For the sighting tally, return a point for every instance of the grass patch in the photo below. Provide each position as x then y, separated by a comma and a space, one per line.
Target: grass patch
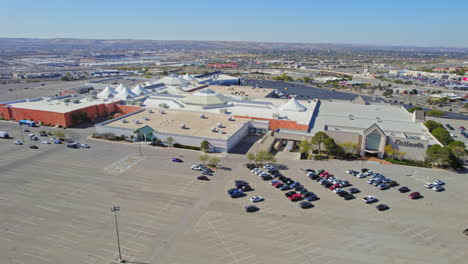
320, 157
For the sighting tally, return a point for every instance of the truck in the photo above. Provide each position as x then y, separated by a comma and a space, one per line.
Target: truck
4, 134
26, 122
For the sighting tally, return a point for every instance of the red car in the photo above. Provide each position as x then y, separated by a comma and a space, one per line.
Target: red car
414, 195
203, 178
277, 185
333, 187
295, 197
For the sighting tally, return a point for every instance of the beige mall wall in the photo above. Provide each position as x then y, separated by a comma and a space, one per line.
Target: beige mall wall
412, 152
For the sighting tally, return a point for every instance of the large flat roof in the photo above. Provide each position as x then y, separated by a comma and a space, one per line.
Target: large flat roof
170, 122
237, 90
59, 105
356, 117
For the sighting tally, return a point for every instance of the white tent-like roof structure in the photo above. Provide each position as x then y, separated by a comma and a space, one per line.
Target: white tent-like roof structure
293, 105
189, 78
119, 88
138, 90
206, 97
174, 80
125, 94
107, 93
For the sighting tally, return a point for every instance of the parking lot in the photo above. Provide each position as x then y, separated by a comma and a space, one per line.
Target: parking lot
55, 204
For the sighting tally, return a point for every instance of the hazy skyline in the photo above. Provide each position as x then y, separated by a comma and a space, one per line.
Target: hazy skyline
413, 23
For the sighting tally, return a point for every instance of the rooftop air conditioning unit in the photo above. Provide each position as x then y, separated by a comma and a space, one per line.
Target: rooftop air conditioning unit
221, 131
182, 126
202, 116
150, 111
275, 116
230, 118
213, 129
146, 118
136, 121
219, 125
124, 121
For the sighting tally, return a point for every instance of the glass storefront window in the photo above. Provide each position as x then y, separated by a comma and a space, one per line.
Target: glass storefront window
373, 141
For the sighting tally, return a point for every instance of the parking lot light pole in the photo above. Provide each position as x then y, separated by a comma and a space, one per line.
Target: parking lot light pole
115, 209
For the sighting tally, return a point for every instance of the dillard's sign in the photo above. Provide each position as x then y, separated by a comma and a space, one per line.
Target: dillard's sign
408, 144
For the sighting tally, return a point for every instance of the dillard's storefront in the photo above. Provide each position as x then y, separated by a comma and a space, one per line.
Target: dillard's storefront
375, 140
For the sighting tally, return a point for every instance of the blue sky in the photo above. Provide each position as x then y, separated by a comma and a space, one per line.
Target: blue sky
377, 22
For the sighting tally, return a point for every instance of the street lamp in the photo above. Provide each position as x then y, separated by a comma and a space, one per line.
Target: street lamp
115, 209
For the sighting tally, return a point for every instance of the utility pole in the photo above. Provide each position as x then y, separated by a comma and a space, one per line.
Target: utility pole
115, 209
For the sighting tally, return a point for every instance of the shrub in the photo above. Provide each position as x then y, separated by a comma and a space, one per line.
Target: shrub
412, 109
320, 157
177, 145
415, 163
435, 112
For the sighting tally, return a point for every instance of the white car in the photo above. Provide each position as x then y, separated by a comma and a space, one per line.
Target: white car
439, 182
18, 142
256, 199
429, 185
361, 175
84, 145
338, 190
197, 167
369, 199
45, 142
438, 188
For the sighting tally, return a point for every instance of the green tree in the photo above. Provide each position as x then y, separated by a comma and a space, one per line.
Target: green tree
306, 79
431, 125
264, 156
442, 135
465, 105
305, 146
318, 139
205, 145
349, 147
170, 141
438, 155
214, 161
251, 157
330, 145
203, 158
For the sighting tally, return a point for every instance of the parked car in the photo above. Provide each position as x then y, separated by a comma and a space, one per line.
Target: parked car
285, 187
429, 185
290, 193
382, 207
414, 195
45, 142
84, 145
57, 141
256, 199
176, 160
347, 196
311, 197
73, 145
305, 205
235, 193
439, 182
197, 167
404, 189
369, 199
354, 190
203, 178
43, 133
251, 208
438, 188
295, 197
18, 142
33, 147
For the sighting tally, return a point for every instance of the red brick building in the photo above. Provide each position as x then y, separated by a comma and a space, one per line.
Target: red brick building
64, 116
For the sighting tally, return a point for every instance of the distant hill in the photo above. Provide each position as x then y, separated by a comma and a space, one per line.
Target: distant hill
26, 44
